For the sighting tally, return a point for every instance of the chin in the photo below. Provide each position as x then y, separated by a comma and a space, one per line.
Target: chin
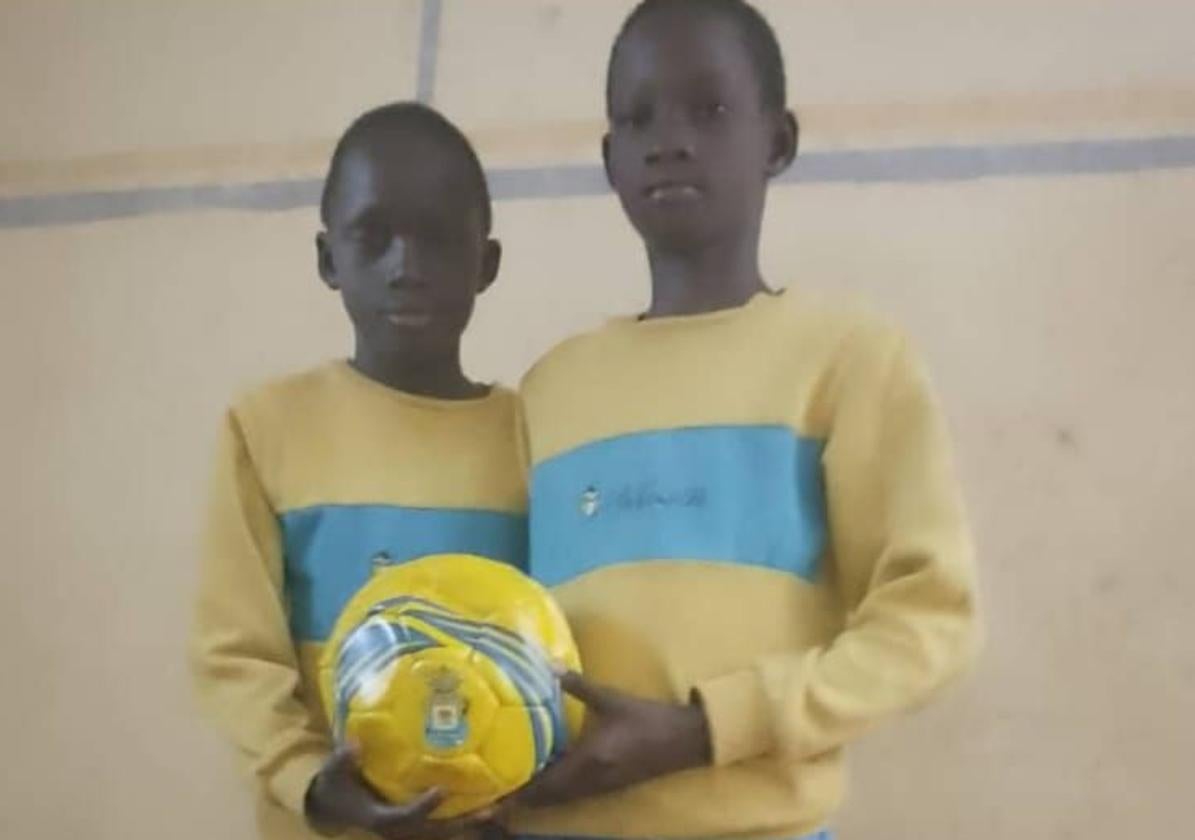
399, 342
677, 238
676, 228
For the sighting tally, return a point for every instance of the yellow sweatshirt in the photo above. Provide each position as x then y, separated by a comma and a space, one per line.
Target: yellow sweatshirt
317, 475
756, 506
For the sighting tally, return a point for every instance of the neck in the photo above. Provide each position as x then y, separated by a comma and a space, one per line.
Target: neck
434, 375
721, 275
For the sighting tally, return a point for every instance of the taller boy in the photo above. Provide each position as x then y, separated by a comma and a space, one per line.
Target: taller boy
743, 498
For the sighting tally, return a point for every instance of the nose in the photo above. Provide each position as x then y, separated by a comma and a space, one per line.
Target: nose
401, 262
672, 141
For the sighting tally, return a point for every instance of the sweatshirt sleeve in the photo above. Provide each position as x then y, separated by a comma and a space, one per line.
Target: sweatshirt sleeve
242, 655
901, 558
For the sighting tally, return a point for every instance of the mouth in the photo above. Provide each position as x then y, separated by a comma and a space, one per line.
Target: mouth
672, 192
407, 318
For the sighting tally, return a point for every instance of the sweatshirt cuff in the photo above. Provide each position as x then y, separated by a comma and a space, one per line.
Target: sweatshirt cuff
291, 781
736, 707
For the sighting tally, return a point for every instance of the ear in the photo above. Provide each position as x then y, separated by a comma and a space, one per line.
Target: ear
491, 260
606, 158
785, 140
324, 262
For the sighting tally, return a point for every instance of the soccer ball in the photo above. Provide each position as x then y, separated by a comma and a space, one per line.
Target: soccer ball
442, 672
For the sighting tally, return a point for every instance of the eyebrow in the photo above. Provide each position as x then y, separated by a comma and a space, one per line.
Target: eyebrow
436, 213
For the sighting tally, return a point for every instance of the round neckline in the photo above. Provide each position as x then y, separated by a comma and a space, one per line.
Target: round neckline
345, 369
752, 303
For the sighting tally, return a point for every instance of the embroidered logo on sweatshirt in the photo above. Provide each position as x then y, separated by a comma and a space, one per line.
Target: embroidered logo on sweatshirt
590, 501
642, 496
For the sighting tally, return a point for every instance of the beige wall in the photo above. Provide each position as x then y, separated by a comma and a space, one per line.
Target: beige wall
1054, 311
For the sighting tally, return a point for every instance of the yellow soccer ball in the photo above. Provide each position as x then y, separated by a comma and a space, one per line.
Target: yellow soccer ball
440, 670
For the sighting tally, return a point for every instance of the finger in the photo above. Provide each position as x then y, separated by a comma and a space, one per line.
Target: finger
417, 809
343, 761
469, 822
502, 808
597, 697
559, 782
491, 830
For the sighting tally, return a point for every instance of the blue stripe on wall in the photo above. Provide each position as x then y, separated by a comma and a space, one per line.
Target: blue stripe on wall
734, 494
329, 551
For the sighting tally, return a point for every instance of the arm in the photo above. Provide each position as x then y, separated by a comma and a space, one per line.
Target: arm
242, 655
248, 677
903, 565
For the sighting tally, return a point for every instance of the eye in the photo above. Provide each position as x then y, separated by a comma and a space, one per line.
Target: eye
371, 238
637, 117
710, 111
444, 232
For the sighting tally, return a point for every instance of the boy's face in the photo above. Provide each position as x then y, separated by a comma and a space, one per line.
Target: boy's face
690, 146
405, 244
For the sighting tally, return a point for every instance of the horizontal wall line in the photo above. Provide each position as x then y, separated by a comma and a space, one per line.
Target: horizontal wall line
917, 164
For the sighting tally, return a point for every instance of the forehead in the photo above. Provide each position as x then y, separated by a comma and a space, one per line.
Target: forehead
676, 48
404, 172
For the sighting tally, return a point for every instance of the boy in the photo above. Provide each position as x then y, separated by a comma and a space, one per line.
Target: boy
742, 499
385, 457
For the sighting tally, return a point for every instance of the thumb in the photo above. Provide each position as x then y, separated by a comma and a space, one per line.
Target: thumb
419, 808
597, 697
343, 761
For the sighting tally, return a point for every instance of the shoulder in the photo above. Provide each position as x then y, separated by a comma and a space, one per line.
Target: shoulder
566, 359
852, 349
870, 353
504, 404
848, 321
263, 409
846, 332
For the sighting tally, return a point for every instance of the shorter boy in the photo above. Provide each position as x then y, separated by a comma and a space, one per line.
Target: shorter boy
388, 456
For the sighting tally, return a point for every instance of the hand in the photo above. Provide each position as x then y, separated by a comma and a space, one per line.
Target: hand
339, 799
627, 740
